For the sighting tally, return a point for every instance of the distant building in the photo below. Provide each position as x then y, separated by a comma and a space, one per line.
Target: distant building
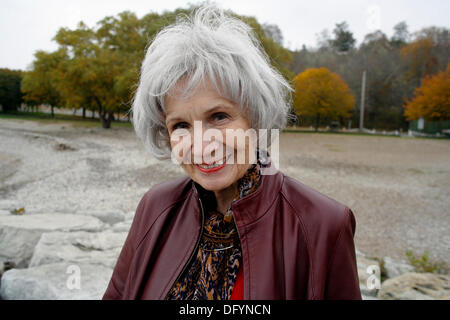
429, 127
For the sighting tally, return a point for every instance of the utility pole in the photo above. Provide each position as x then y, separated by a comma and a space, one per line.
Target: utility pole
363, 94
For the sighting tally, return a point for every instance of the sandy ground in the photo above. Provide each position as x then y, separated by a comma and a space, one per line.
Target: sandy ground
398, 188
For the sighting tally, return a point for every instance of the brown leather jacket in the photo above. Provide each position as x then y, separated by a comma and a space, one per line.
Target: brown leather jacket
296, 243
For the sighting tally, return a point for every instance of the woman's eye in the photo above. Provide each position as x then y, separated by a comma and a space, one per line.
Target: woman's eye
219, 116
180, 125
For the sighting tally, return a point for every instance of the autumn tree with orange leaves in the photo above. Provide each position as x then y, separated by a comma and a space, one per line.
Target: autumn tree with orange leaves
432, 98
322, 94
420, 59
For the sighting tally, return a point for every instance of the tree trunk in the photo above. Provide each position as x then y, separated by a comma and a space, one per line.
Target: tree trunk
105, 116
53, 113
317, 121
106, 119
84, 113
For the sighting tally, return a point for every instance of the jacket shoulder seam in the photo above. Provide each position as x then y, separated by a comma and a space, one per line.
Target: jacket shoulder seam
338, 238
158, 216
306, 239
115, 288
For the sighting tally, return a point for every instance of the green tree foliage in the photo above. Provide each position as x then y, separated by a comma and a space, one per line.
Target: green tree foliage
10, 95
96, 71
401, 35
385, 86
39, 85
97, 68
343, 38
280, 57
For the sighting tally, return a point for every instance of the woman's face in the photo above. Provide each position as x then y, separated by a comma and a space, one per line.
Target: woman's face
207, 156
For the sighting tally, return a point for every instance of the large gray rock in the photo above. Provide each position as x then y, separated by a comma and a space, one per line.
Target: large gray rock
2, 268
359, 253
369, 276
5, 265
364, 297
107, 216
4, 212
79, 247
123, 226
56, 282
19, 234
395, 268
9, 205
416, 286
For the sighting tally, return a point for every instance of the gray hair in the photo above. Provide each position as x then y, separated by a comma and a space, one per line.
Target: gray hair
212, 44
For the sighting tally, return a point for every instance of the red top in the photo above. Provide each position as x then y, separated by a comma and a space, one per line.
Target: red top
238, 290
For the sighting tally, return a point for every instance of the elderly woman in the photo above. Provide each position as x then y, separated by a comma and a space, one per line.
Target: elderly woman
229, 230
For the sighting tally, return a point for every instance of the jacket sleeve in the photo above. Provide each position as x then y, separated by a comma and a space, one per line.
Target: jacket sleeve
116, 285
119, 277
342, 278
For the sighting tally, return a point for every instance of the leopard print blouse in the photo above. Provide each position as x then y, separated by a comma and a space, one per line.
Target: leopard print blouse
212, 274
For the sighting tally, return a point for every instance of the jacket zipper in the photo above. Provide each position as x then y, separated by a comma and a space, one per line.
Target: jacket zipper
193, 252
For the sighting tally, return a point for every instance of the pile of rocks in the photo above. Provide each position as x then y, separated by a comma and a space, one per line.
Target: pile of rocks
401, 283
59, 256
72, 256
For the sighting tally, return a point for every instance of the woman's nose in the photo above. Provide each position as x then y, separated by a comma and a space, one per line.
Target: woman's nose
204, 151
206, 143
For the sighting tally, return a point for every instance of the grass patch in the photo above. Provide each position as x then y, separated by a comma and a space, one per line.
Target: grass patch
423, 263
415, 171
291, 130
62, 119
332, 148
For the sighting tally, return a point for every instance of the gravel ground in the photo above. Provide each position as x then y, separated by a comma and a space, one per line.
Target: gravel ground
398, 188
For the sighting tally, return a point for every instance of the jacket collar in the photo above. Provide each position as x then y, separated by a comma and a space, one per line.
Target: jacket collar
253, 206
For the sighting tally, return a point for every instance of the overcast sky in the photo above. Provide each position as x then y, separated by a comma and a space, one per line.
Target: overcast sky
30, 25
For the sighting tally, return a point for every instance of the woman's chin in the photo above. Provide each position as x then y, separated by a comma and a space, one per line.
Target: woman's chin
214, 181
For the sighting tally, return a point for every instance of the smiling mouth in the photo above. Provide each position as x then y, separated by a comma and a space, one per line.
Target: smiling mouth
213, 167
